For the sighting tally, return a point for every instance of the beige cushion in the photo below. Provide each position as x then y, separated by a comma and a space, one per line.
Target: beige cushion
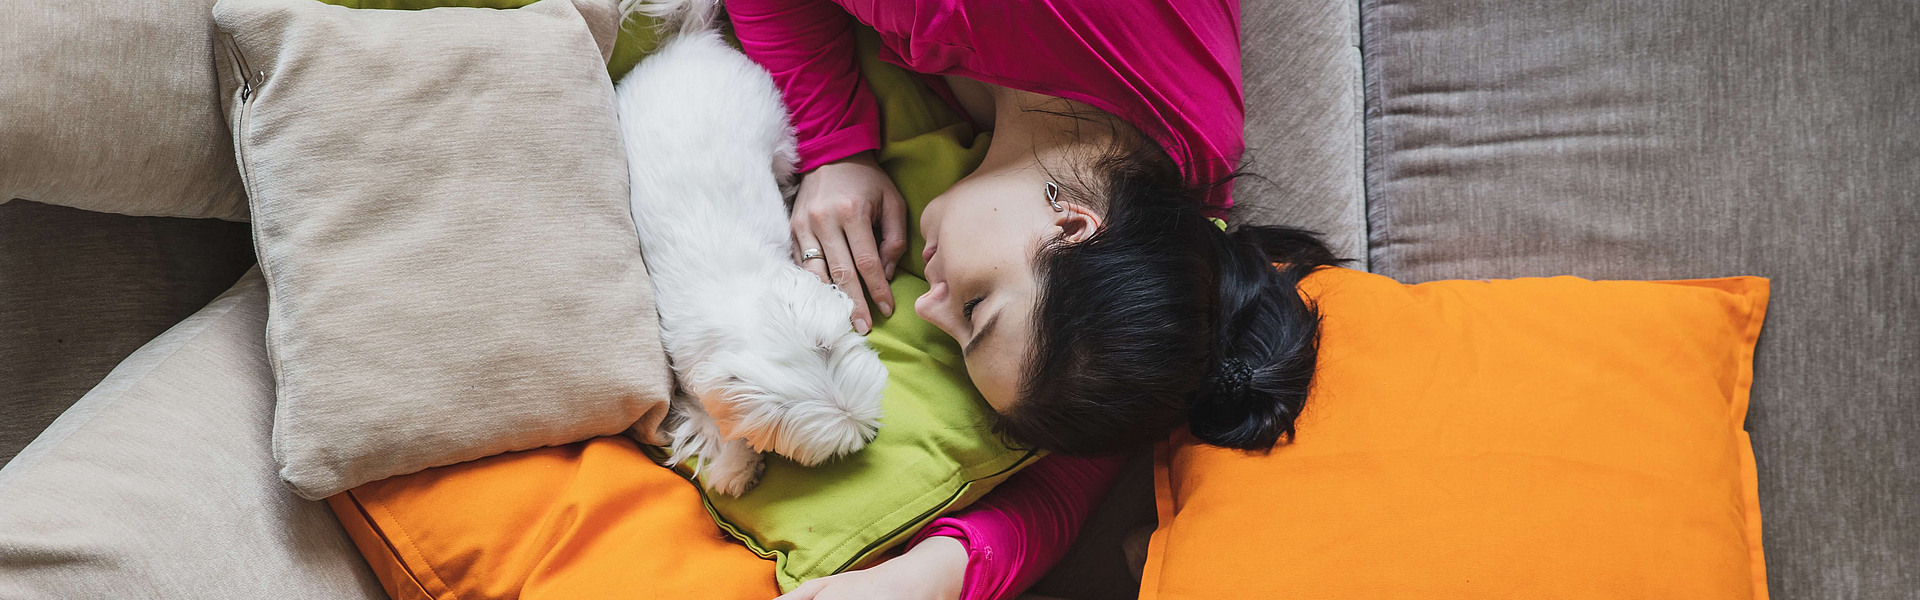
158, 483
440, 205
111, 106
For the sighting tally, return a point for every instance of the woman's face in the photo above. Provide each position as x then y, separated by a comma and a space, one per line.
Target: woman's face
982, 236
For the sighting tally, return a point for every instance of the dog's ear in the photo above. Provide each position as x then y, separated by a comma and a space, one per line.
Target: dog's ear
859, 375
733, 396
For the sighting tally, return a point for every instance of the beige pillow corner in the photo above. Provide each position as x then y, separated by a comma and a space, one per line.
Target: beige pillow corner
440, 205
113, 109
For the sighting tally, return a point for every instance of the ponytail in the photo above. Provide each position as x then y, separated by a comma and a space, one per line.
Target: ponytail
1265, 339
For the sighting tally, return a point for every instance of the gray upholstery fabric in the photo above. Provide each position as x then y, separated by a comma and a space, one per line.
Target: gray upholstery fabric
1301, 72
1648, 139
81, 290
159, 484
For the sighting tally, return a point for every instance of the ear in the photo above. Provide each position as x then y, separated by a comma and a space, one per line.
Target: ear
1077, 222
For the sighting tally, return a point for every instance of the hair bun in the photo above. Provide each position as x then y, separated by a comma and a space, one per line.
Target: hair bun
1232, 379
1269, 335
1228, 413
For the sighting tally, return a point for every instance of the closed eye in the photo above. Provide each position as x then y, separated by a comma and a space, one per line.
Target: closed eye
967, 309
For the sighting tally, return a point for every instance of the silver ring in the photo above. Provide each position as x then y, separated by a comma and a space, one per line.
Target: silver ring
810, 254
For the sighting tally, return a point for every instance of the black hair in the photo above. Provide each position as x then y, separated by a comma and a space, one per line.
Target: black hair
1161, 319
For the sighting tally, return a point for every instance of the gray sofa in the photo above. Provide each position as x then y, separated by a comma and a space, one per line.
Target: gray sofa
1430, 139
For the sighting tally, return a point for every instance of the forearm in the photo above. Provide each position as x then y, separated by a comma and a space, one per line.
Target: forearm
1019, 530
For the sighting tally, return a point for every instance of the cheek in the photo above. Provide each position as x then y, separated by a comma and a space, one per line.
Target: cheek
953, 214
990, 258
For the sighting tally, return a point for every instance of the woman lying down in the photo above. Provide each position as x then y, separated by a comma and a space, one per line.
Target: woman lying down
1098, 304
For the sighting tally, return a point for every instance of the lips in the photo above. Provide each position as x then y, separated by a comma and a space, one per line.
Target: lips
927, 268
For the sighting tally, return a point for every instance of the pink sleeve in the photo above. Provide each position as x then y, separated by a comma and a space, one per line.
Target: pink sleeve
1020, 529
808, 46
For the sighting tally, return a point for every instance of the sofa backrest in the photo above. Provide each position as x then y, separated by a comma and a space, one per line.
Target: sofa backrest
1301, 72
1651, 139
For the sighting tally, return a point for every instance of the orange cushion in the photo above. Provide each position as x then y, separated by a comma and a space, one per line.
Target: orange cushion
1532, 438
594, 519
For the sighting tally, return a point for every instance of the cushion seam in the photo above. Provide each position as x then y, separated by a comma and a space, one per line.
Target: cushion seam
424, 563
1759, 295
866, 529
391, 548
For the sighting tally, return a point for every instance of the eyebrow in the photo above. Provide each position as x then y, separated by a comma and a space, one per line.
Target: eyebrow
984, 331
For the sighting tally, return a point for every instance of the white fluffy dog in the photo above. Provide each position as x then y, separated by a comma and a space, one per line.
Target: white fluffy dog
765, 355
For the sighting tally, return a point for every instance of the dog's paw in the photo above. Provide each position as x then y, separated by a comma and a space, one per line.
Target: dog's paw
735, 469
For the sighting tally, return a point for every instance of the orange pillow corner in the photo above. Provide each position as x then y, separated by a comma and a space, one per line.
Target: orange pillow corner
593, 519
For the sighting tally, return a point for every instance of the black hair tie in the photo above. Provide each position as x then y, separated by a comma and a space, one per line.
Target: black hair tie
1233, 379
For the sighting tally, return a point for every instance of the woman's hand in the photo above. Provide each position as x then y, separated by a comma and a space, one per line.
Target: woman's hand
839, 207
932, 570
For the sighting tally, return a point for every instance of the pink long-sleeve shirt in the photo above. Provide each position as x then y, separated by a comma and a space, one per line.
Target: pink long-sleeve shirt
1170, 68
1020, 529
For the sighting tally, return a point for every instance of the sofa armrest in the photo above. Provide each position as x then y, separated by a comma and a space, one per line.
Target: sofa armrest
159, 482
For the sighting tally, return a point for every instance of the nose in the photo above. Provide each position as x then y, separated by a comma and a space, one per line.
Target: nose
931, 307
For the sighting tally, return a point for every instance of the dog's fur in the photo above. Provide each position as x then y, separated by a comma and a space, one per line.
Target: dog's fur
764, 353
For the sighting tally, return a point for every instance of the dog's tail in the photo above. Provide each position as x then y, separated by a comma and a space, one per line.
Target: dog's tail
676, 17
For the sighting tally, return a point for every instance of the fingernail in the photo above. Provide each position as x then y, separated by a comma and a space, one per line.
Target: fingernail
890, 267
860, 325
886, 309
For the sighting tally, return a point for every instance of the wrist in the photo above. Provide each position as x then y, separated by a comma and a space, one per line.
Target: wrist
865, 158
851, 165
